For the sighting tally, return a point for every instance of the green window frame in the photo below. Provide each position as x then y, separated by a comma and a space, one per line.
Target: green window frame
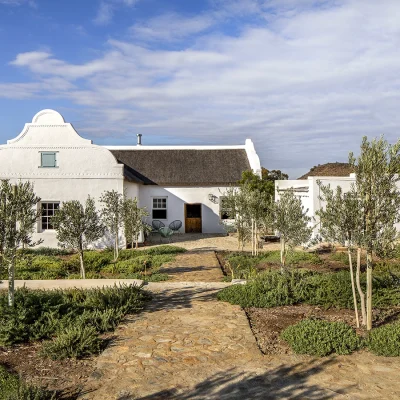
48, 159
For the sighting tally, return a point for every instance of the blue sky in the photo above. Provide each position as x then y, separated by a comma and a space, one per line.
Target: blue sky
305, 79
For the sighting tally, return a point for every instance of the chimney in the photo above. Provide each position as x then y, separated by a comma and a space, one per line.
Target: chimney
139, 139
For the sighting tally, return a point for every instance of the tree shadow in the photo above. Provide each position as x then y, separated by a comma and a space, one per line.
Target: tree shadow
283, 382
182, 298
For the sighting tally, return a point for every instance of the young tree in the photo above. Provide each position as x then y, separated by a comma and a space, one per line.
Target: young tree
78, 226
112, 215
341, 220
18, 216
289, 218
133, 217
377, 173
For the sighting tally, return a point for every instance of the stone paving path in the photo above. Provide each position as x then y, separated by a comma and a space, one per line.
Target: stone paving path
183, 338
196, 266
187, 345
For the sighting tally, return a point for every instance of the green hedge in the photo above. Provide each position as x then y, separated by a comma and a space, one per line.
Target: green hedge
321, 338
385, 340
271, 289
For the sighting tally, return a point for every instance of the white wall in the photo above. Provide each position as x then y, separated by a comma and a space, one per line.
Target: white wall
82, 168
310, 198
178, 196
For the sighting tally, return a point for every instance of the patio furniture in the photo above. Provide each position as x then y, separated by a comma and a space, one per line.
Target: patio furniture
166, 232
156, 224
175, 226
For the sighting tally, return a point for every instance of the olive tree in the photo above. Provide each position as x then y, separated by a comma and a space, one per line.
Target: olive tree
341, 222
78, 226
18, 216
289, 218
133, 217
377, 174
112, 215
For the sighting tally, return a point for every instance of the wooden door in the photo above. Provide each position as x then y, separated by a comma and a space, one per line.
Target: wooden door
193, 222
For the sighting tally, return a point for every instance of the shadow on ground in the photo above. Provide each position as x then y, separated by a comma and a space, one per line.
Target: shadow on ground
169, 299
284, 382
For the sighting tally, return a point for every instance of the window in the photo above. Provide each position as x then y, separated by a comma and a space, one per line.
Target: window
159, 208
48, 210
48, 159
225, 211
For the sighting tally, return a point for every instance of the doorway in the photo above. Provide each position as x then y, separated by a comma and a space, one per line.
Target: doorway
193, 222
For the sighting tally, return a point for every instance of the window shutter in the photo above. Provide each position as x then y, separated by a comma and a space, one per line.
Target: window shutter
48, 160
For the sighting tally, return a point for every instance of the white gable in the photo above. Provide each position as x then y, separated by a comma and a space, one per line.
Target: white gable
49, 128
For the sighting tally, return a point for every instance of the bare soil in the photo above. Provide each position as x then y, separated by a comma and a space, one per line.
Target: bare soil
267, 324
64, 376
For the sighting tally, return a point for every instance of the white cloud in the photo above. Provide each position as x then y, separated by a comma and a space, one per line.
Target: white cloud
306, 85
107, 8
171, 26
30, 3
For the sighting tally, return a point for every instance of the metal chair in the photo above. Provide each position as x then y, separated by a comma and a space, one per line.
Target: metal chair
166, 232
175, 226
156, 224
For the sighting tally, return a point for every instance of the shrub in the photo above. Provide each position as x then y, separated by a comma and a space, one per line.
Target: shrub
271, 289
47, 251
339, 256
321, 338
385, 340
164, 249
94, 260
39, 314
75, 342
133, 265
11, 388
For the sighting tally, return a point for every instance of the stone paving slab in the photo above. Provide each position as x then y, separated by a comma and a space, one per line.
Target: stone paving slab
194, 266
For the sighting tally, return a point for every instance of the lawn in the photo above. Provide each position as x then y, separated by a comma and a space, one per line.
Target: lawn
48, 263
315, 288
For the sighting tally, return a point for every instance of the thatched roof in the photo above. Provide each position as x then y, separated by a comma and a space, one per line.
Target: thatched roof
329, 169
183, 167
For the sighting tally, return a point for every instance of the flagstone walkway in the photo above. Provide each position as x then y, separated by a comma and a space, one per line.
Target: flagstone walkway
188, 345
194, 266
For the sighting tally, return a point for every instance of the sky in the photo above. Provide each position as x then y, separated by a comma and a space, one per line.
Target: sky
304, 79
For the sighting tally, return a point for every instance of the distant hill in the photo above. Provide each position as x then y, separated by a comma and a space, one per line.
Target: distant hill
329, 169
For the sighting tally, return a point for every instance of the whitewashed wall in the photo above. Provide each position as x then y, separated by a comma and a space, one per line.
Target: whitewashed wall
178, 196
82, 168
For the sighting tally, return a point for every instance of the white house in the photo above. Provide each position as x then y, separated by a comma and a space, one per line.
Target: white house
173, 182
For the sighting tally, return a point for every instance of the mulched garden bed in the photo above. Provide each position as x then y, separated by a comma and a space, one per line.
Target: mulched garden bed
267, 324
65, 376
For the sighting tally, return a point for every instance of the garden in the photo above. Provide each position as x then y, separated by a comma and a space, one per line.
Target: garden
308, 309
52, 263
313, 303
56, 333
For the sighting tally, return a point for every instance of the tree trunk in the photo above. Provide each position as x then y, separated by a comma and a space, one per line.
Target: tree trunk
83, 275
360, 292
369, 289
353, 289
252, 237
283, 255
11, 277
116, 246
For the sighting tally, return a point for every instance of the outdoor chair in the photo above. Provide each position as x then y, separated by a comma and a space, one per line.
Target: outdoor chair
165, 232
156, 224
175, 226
